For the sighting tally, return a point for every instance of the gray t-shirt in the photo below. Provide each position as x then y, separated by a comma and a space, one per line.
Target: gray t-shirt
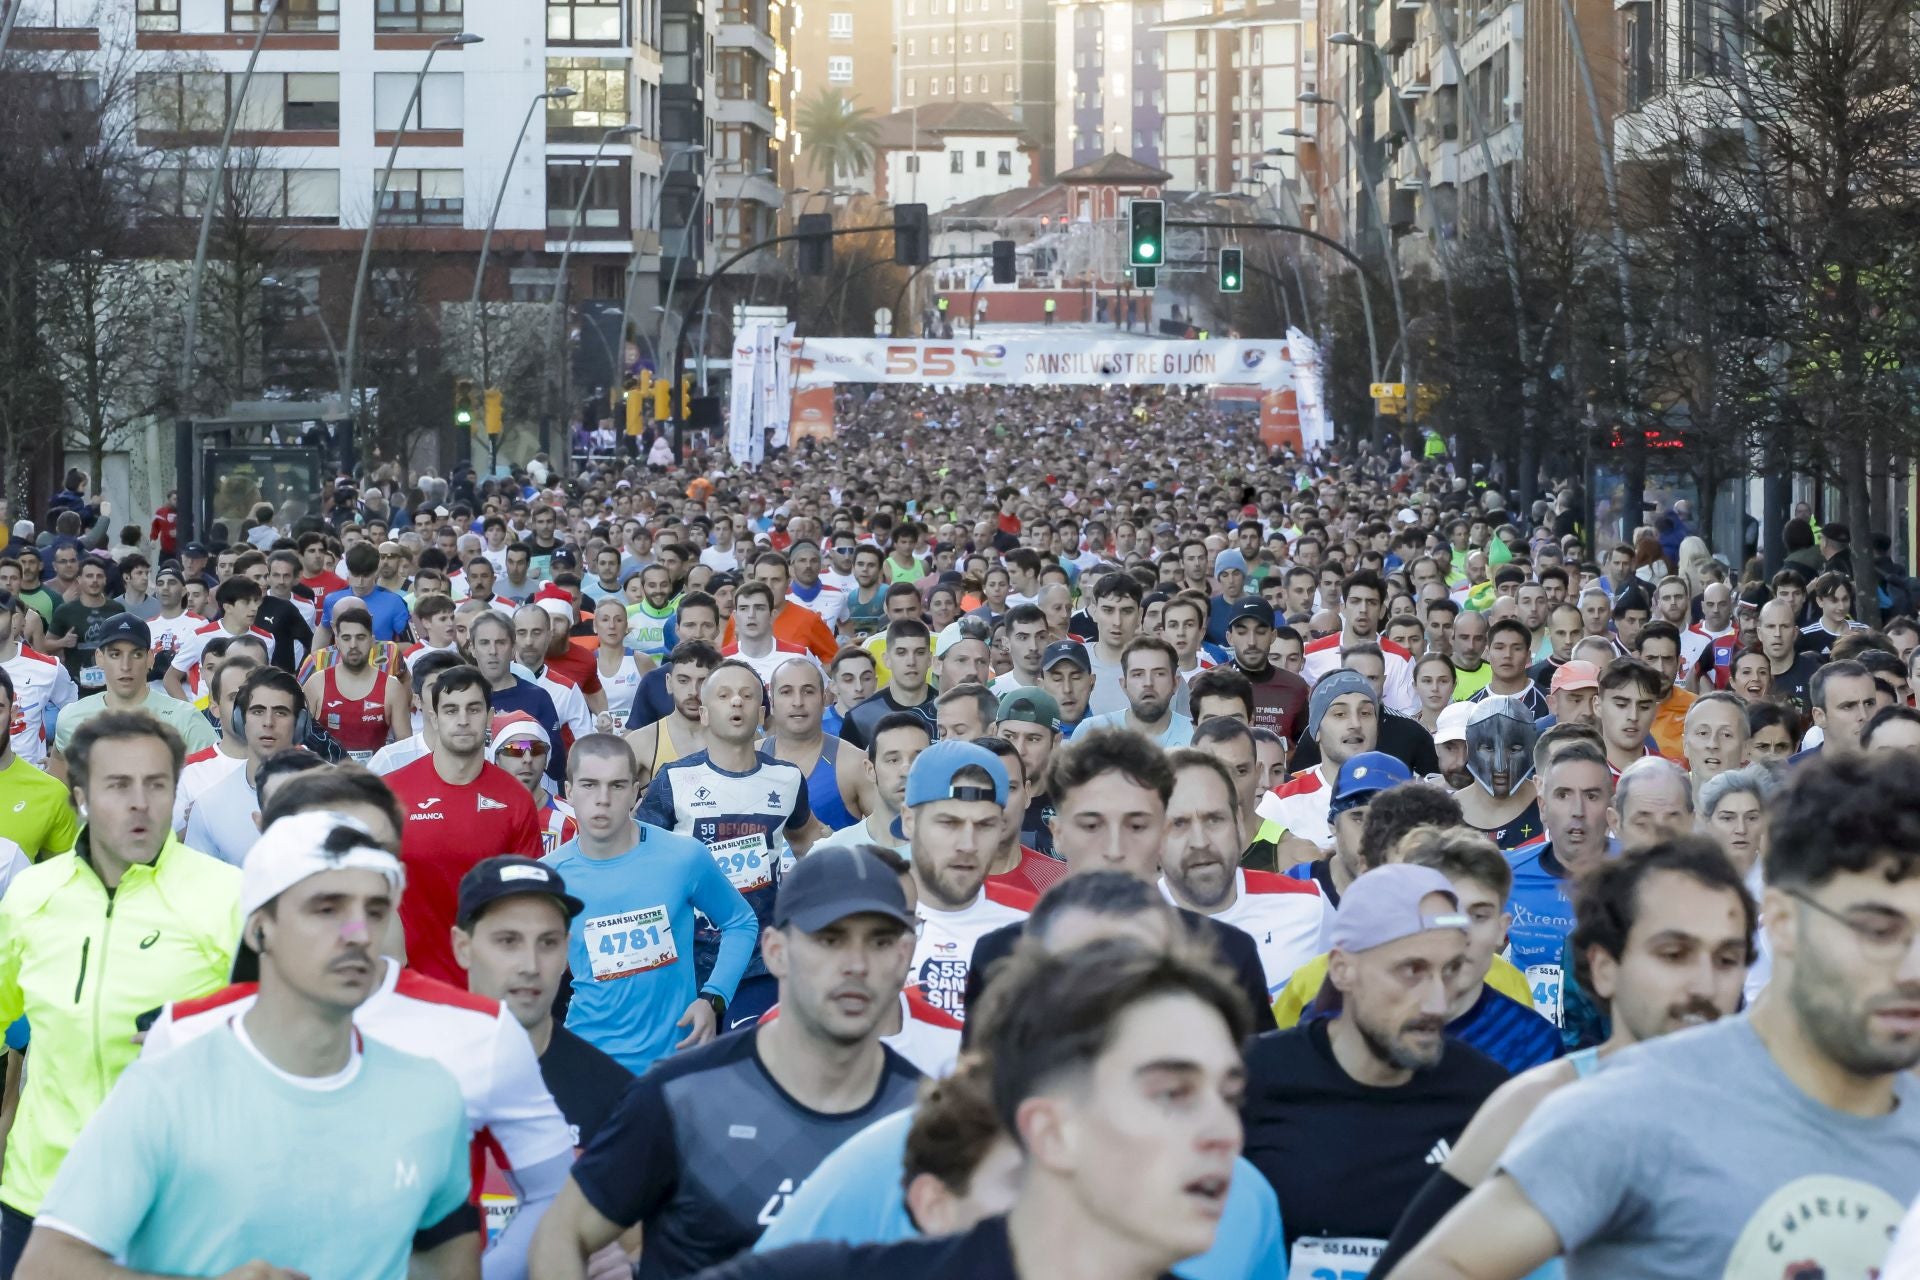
1109, 688
1694, 1155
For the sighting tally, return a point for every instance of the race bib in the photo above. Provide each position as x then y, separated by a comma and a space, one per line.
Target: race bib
1544, 981
92, 678
359, 757
632, 942
1333, 1257
744, 862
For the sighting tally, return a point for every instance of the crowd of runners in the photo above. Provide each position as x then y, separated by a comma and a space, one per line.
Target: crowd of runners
1039, 833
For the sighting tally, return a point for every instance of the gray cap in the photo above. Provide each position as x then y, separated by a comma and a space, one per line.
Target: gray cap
1336, 684
1383, 905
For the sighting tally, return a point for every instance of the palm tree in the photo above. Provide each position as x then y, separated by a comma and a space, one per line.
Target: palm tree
840, 134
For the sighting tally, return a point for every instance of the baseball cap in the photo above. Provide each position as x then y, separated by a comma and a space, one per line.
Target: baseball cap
169, 570
509, 725
127, 629
564, 556
1571, 675
1452, 723
1363, 776
299, 847
931, 776
491, 879
1837, 533
1066, 651
828, 885
1035, 706
1229, 559
1383, 905
194, 549
1335, 684
1252, 607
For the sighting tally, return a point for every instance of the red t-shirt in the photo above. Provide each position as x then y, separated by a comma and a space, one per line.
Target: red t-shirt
1036, 873
579, 662
322, 586
444, 830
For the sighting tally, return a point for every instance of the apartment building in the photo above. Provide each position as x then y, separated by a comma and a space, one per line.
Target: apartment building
326, 106
843, 47
748, 116
997, 52
950, 153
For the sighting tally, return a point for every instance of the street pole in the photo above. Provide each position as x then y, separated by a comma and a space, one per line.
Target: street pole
698, 212
216, 189
557, 352
633, 266
706, 312
6, 26
1387, 250
379, 198
486, 242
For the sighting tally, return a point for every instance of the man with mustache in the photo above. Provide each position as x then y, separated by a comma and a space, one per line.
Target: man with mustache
1662, 938
1343, 1112
1289, 920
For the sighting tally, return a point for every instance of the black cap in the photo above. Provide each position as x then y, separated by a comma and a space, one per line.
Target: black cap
195, 549
829, 885
506, 876
171, 569
1837, 533
1066, 651
1250, 607
564, 556
125, 628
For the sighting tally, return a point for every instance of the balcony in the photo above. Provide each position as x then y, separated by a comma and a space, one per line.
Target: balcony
744, 28
726, 110
728, 185
1393, 28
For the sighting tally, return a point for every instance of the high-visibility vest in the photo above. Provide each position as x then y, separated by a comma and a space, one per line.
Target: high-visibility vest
1049, 305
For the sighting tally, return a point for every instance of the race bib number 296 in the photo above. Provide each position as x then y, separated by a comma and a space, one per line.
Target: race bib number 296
744, 860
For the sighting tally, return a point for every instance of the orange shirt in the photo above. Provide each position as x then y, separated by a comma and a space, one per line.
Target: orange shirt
1670, 724
797, 625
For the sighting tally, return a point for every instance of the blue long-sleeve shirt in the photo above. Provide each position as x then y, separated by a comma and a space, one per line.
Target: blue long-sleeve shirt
631, 950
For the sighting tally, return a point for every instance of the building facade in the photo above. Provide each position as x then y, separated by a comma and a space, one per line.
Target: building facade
996, 52
844, 48
951, 153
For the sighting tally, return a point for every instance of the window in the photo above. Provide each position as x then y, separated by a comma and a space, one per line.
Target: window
966, 84
1008, 42
1007, 85
418, 15
979, 159
583, 21
442, 104
912, 84
156, 15
425, 197
949, 86
912, 8
604, 215
599, 101
840, 26
198, 102
840, 69
676, 52
956, 162
966, 44
913, 164
291, 15
532, 284
1006, 164
911, 50
281, 195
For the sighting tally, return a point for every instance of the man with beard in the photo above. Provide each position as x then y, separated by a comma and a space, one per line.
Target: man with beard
1147, 666
1280, 698
1502, 801
1662, 939
1289, 920
1343, 1112
1450, 745
358, 707
1660, 649
1564, 629
649, 617
1785, 1140
1471, 670
708, 1146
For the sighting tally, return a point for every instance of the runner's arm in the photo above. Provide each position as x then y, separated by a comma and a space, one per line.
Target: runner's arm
570, 1232
52, 1254
537, 1187
314, 687
721, 903
1494, 1234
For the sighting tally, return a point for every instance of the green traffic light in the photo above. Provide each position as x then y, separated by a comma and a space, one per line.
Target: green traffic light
463, 418
1148, 250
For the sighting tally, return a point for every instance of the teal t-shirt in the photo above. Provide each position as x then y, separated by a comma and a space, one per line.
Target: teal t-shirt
207, 1157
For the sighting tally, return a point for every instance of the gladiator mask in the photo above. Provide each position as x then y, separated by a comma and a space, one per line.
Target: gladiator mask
1500, 738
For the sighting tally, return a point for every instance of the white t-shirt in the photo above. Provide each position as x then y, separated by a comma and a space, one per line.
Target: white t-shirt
398, 755
1290, 921
943, 952
1300, 807
204, 771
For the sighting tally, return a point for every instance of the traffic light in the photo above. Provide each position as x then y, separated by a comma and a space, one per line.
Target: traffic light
1230, 264
686, 390
636, 421
1146, 233
910, 244
816, 244
1003, 268
1146, 277
495, 412
463, 403
662, 399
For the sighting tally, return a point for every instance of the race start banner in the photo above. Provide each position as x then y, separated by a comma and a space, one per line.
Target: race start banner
1069, 360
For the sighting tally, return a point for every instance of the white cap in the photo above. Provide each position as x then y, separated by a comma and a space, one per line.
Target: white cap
303, 845
1452, 724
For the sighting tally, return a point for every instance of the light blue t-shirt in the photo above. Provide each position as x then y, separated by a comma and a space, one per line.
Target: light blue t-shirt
1178, 733
206, 1158
854, 1195
631, 950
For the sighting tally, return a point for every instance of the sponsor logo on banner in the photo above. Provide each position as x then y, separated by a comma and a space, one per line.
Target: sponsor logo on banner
1259, 365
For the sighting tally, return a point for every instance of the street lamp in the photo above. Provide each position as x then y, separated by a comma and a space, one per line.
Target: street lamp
499, 198
216, 187
1379, 218
380, 197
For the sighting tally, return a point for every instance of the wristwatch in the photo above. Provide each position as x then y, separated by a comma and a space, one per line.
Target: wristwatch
717, 1002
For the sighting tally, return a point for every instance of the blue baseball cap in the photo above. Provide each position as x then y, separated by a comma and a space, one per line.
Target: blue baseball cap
933, 771
1364, 776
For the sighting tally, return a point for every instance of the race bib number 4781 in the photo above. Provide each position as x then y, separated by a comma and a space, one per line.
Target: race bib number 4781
620, 946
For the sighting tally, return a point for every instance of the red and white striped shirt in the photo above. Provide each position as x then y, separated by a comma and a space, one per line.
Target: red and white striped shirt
1300, 807
943, 953
1323, 658
187, 660
1290, 921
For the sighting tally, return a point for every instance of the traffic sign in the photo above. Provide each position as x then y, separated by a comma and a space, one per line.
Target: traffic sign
1387, 390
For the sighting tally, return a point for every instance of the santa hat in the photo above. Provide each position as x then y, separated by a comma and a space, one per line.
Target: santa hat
515, 724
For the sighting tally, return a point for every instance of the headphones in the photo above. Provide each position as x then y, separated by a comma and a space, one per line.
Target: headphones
236, 722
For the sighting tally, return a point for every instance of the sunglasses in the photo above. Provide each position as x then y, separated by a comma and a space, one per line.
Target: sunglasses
521, 752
